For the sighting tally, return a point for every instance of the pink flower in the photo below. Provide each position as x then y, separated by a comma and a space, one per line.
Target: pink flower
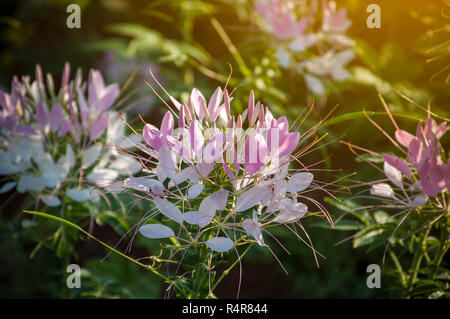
156, 137
335, 21
424, 154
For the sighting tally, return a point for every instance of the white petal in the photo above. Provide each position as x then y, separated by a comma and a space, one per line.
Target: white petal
183, 175
394, 175
220, 244
51, 173
169, 210
7, 187
166, 161
79, 195
253, 228
145, 184
126, 165
283, 57
30, 183
205, 168
195, 190
314, 84
95, 195
219, 199
102, 176
156, 231
51, 201
91, 155
383, 190
131, 141
291, 214
197, 218
70, 156
299, 182
419, 200
251, 198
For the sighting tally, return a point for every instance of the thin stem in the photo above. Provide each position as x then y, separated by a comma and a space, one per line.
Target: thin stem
443, 247
64, 221
226, 272
418, 256
398, 266
230, 46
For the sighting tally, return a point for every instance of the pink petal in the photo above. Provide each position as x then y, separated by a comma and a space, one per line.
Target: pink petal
152, 136
198, 103
56, 117
214, 102
289, 145
214, 149
99, 126
255, 153
416, 152
84, 109
42, 114
175, 102
167, 124
108, 96
403, 137
66, 76
27, 130
65, 128
251, 105
196, 138
398, 164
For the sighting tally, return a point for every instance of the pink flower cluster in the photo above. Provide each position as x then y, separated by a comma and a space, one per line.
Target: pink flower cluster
425, 155
422, 173
221, 172
317, 53
48, 137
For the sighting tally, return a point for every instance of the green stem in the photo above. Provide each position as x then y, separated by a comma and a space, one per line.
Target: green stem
230, 46
418, 256
398, 266
226, 272
66, 222
443, 247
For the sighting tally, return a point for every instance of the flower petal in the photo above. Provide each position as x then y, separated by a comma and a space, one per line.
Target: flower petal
91, 155
251, 198
51, 201
30, 183
403, 137
7, 187
253, 228
79, 195
220, 244
169, 210
155, 231
398, 164
383, 190
299, 182
394, 175
195, 190
197, 218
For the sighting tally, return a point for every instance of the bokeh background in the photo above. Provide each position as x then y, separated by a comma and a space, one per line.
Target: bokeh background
408, 54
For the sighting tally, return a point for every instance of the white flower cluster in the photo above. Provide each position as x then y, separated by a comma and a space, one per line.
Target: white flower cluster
309, 40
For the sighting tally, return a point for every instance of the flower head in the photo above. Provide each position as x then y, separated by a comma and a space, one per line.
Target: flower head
317, 51
222, 179
50, 139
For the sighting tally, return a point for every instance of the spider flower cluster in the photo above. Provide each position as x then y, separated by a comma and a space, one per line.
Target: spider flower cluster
311, 39
220, 180
422, 175
51, 141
